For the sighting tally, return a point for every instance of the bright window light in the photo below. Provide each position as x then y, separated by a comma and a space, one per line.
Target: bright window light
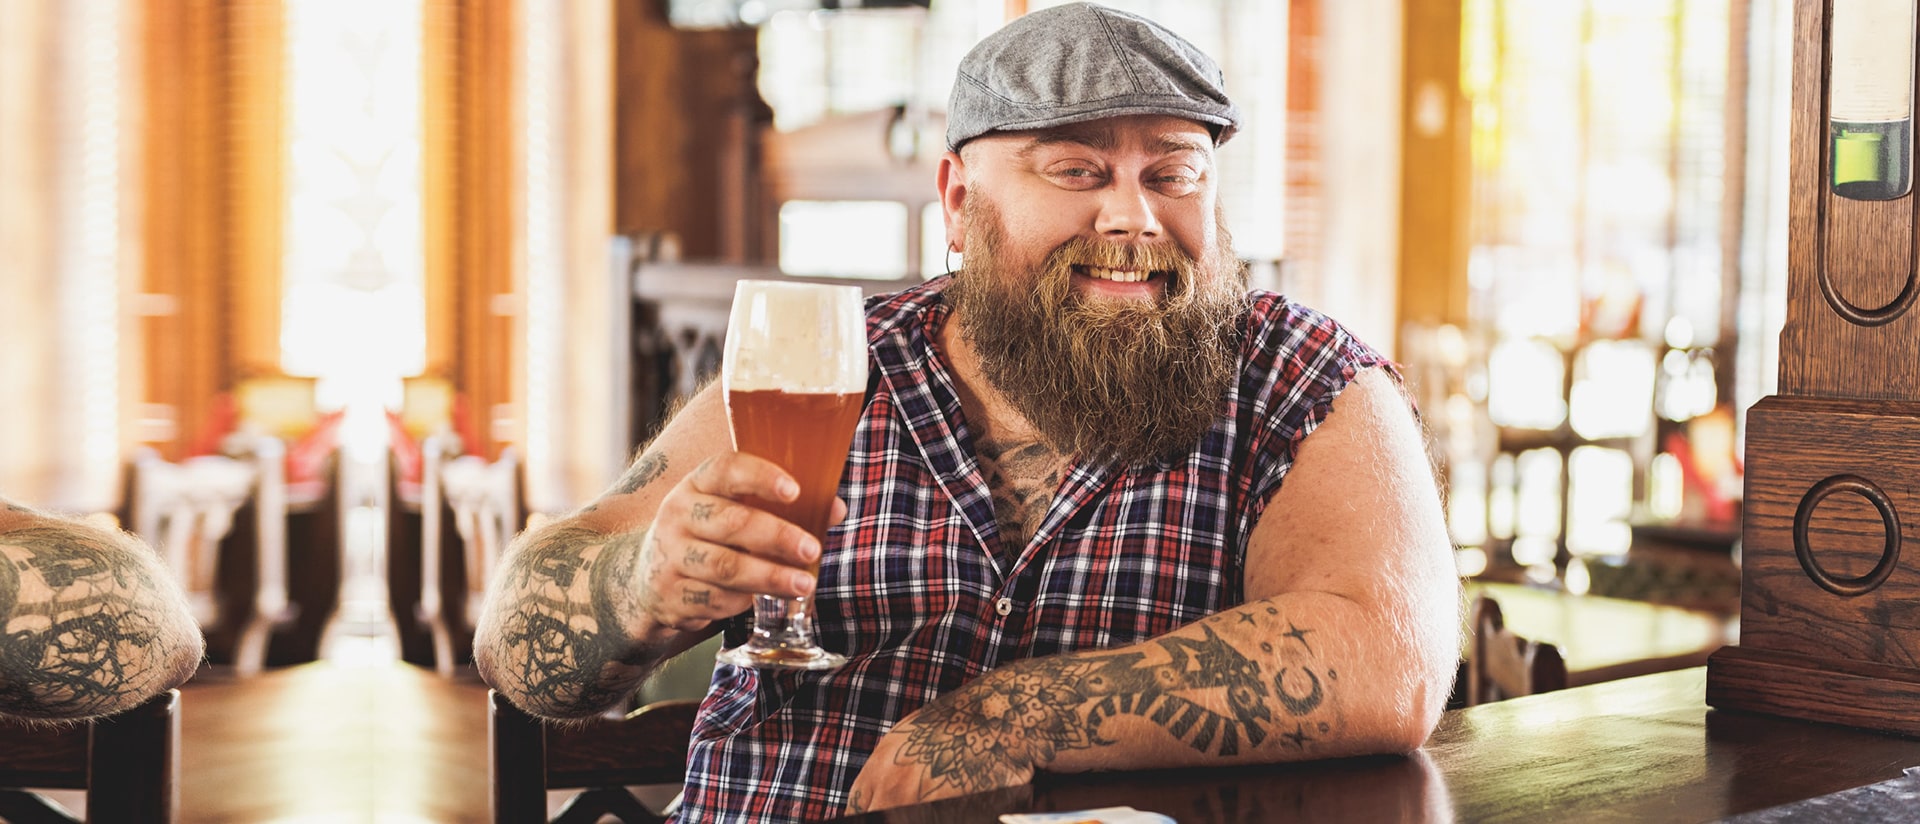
843, 239
354, 310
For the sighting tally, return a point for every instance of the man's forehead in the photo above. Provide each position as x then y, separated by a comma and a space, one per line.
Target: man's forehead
1158, 134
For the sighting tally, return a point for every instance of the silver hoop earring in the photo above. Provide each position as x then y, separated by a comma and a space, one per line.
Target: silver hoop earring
950, 253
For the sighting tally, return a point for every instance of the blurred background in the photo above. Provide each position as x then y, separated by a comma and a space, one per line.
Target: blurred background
379, 235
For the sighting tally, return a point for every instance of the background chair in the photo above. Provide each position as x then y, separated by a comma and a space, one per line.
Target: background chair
128, 765
602, 757
1504, 665
187, 510
469, 510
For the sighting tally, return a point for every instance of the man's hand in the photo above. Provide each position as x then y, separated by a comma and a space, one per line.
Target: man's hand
712, 548
939, 752
586, 606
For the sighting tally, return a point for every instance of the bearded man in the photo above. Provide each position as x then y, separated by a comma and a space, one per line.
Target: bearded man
1105, 508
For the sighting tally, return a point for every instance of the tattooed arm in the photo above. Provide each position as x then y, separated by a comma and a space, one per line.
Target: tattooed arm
1346, 645
90, 623
587, 605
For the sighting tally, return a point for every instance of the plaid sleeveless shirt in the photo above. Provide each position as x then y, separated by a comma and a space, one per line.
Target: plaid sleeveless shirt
912, 593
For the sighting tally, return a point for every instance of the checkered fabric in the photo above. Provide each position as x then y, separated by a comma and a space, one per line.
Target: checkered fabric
911, 592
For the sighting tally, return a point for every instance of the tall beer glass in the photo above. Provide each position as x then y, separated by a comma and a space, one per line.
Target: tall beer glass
795, 374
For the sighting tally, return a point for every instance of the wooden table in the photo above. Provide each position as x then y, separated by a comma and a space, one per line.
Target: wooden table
1644, 749
1603, 639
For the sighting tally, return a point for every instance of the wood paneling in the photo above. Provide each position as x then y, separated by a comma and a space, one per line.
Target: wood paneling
188, 230
1306, 198
688, 116
1436, 175
212, 204
471, 57
1798, 443
28, 232
257, 118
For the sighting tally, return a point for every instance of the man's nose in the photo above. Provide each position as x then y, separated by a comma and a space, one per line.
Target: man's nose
1127, 213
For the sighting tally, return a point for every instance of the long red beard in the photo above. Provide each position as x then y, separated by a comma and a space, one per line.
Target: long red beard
1121, 379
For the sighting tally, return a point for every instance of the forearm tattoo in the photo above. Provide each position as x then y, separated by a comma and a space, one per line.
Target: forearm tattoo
86, 626
569, 592
644, 471
1209, 695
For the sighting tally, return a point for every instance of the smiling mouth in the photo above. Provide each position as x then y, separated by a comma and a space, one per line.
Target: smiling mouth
1119, 275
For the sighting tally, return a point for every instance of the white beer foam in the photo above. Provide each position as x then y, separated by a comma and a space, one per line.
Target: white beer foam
796, 337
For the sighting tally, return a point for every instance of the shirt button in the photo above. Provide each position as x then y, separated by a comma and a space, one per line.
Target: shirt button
1003, 606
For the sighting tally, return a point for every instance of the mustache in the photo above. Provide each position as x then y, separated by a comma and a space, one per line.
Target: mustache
1162, 258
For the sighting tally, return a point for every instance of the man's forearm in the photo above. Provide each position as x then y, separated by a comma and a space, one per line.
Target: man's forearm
1269, 681
557, 637
93, 624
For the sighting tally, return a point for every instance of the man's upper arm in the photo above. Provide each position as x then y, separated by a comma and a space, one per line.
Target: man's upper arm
695, 433
94, 623
1358, 516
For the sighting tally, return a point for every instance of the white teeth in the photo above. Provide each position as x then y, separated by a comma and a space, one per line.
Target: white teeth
1116, 275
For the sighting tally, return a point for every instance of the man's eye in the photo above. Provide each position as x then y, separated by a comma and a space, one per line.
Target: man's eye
1177, 184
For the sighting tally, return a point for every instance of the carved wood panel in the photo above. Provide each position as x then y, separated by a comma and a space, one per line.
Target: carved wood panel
1832, 529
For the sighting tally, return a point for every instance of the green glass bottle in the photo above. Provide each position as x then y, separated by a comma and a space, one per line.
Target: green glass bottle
1870, 98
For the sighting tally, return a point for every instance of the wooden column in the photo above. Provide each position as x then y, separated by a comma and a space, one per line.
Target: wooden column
209, 307
1436, 179
1830, 601
470, 58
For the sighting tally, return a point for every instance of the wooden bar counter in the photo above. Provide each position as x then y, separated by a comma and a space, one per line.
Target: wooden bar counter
1644, 749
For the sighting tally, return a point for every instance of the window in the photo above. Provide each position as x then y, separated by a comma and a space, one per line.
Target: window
1600, 271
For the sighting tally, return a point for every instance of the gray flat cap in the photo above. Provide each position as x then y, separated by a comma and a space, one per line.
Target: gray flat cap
1080, 62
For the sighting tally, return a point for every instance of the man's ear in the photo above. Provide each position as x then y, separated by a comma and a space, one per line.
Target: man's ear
952, 182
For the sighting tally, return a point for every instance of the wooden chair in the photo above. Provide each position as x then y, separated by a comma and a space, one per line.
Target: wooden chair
127, 764
404, 566
186, 510
1504, 665
602, 757
480, 503
316, 521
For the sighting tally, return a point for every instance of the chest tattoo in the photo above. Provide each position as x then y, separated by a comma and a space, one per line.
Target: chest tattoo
1023, 477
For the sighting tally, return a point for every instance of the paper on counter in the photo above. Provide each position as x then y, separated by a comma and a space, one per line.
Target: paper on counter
1104, 815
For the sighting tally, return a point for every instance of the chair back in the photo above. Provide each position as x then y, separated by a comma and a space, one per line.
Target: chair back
474, 505
1504, 665
127, 764
188, 511
602, 757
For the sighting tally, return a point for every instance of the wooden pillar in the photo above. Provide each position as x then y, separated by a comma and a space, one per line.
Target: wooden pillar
1436, 181
470, 58
208, 309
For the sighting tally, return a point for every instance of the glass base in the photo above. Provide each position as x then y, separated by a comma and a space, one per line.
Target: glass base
779, 657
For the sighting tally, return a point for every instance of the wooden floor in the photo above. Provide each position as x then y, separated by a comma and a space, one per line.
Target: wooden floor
329, 742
